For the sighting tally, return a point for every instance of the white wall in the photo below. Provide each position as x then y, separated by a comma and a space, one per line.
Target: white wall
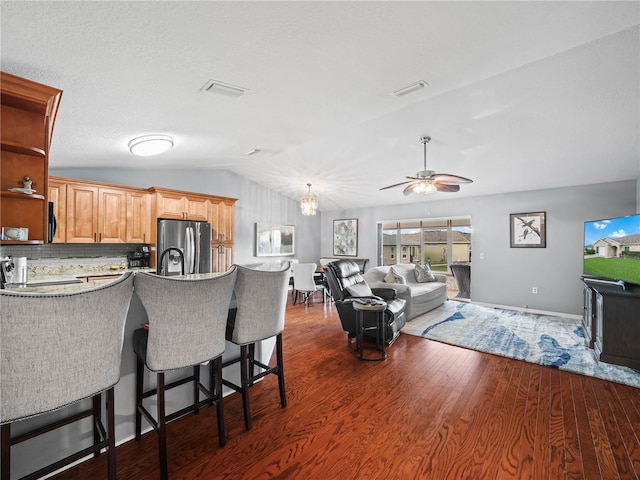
506, 275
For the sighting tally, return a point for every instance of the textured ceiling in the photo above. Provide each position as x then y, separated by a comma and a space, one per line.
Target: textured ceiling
522, 95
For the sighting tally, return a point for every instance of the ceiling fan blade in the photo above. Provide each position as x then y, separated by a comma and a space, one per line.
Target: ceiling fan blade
446, 187
396, 185
450, 179
410, 188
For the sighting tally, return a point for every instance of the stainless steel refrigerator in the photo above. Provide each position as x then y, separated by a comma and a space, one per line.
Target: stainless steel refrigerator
183, 241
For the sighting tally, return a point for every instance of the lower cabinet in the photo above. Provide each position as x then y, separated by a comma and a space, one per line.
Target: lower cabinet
588, 311
617, 323
221, 258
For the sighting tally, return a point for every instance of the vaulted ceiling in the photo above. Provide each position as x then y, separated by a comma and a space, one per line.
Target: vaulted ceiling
521, 95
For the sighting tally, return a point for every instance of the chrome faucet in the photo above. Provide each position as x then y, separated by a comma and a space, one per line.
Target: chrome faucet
164, 253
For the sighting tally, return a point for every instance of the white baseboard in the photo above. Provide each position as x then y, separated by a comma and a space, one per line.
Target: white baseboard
530, 310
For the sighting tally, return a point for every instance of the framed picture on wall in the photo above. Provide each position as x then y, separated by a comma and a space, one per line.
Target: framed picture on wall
275, 240
528, 230
345, 237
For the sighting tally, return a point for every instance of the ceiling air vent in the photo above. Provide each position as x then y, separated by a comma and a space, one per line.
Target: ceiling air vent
214, 86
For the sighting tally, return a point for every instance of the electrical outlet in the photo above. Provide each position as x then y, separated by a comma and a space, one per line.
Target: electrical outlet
481, 255
534, 290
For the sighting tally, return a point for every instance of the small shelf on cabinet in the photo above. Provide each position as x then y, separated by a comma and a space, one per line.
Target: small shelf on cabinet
21, 242
22, 149
21, 196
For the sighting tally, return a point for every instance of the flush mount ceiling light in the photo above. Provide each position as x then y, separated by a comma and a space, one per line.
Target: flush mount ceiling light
414, 87
214, 86
309, 204
147, 145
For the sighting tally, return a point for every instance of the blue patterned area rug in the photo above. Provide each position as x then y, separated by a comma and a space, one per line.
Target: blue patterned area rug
544, 339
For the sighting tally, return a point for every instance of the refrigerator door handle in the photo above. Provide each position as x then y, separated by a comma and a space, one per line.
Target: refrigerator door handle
189, 248
196, 250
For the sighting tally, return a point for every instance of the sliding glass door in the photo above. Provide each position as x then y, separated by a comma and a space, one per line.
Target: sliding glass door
435, 242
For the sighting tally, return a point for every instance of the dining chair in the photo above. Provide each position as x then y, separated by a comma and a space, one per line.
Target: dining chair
58, 349
304, 282
261, 298
186, 328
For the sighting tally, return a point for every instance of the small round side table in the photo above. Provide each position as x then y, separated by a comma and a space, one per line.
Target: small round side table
377, 309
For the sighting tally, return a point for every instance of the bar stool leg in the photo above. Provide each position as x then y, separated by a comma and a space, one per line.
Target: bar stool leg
139, 392
162, 428
251, 364
5, 440
196, 391
283, 397
217, 366
244, 382
96, 401
111, 432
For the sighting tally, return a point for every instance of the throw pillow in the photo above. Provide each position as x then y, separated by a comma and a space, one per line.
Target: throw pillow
423, 274
394, 277
359, 290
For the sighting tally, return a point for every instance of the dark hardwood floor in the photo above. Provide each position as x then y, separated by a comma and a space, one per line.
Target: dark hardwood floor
430, 411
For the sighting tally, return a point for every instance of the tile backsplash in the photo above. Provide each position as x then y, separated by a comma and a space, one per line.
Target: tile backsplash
68, 250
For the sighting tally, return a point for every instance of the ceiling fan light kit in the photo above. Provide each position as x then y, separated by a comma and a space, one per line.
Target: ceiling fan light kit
428, 181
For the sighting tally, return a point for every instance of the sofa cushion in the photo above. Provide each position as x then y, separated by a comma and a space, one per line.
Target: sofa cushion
360, 290
394, 277
423, 274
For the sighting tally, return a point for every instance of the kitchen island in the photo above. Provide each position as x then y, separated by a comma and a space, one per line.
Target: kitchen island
38, 451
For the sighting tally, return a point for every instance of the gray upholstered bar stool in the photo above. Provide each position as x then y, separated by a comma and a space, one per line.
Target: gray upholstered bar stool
187, 322
58, 349
261, 297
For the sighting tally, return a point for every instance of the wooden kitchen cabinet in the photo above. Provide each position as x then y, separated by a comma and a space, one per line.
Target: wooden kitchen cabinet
179, 205
28, 111
138, 216
222, 219
58, 197
221, 258
95, 214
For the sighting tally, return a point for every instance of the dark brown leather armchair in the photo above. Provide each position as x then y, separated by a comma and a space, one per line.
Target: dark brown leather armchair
345, 280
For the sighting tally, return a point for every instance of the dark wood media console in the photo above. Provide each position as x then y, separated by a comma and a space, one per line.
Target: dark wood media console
612, 321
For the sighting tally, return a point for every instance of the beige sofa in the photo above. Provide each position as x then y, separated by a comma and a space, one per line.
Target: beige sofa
420, 297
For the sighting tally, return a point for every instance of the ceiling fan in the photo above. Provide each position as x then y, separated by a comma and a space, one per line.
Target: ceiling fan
428, 181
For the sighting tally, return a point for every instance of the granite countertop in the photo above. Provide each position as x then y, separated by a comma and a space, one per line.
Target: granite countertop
70, 278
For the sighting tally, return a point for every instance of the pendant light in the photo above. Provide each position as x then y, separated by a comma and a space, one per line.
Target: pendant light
309, 204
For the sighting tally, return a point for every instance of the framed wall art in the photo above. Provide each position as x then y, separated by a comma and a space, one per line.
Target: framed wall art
345, 237
275, 240
528, 230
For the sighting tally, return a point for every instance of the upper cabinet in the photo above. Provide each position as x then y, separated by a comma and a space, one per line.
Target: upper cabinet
95, 214
28, 111
179, 205
218, 211
222, 219
138, 216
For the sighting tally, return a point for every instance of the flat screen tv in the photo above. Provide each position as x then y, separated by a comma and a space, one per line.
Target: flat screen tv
612, 249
